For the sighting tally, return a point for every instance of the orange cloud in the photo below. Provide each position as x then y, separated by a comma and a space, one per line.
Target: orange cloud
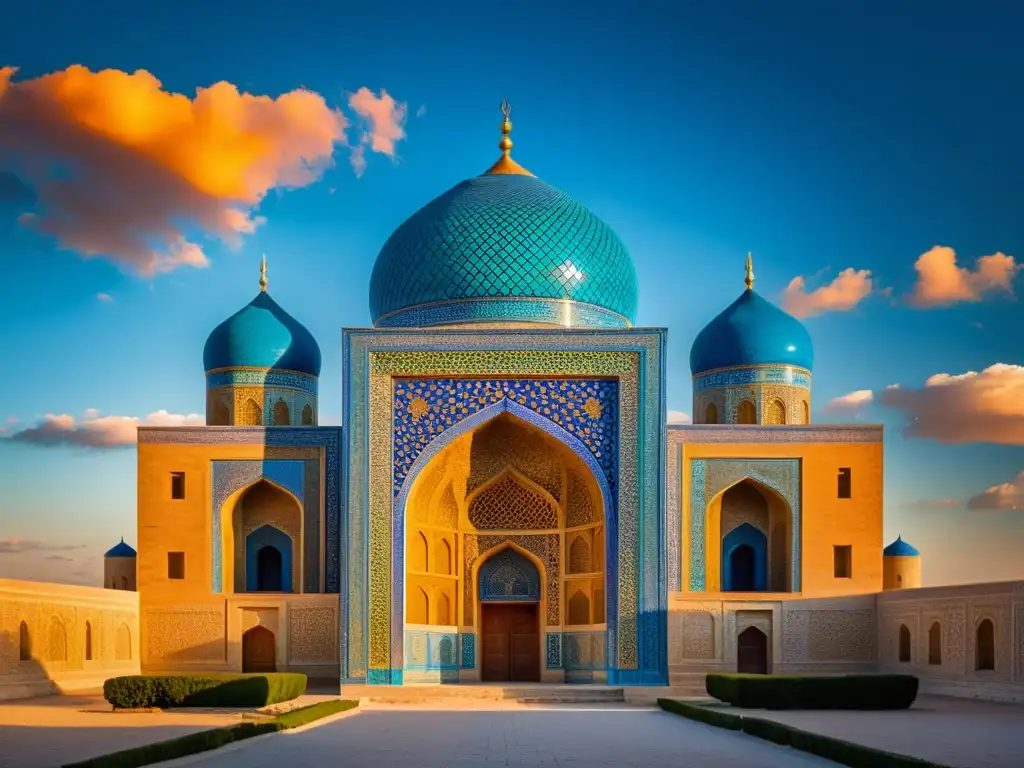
849, 289
95, 431
972, 407
385, 120
1003, 496
853, 401
940, 282
126, 170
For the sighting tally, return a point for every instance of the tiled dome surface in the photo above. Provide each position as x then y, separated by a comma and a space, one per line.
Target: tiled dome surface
503, 236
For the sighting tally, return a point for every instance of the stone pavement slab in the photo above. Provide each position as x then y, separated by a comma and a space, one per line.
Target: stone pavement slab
517, 737
963, 733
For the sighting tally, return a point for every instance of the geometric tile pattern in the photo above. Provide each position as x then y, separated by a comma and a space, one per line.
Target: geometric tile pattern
502, 236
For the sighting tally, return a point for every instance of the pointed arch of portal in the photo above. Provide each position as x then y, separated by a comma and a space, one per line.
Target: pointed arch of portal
442, 441
704, 502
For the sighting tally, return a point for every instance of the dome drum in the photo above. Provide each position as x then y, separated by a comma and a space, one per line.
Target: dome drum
505, 311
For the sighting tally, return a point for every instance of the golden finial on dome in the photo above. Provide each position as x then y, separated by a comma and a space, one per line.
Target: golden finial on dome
749, 280
263, 274
505, 164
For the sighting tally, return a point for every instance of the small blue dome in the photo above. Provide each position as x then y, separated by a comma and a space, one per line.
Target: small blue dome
900, 548
262, 335
120, 550
751, 331
502, 246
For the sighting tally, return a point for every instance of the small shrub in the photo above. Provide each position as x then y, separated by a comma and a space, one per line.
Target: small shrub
298, 717
212, 739
769, 730
850, 754
139, 691
702, 714
814, 692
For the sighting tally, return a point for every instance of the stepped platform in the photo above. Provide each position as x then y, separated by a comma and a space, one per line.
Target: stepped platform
515, 694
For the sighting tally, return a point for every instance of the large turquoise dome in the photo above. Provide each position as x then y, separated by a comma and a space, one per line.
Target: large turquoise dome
749, 332
503, 247
262, 335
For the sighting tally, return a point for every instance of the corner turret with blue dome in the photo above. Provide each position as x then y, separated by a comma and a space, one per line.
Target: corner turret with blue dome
119, 567
504, 248
262, 367
901, 566
752, 364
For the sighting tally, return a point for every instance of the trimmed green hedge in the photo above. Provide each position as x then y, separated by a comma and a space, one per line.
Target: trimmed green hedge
142, 691
837, 750
703, 714
814, 692
212, 739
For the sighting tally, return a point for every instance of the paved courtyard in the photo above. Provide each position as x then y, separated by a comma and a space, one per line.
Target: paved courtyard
515, 737
961, 733
54, 730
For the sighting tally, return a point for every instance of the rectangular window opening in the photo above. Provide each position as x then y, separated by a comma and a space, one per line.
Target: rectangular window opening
842, 557
177, 485
845, 486
175, 565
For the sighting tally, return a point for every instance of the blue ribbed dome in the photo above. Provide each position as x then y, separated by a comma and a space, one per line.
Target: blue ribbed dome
120, 550
900, 548
751, 331
501, 246
262, 335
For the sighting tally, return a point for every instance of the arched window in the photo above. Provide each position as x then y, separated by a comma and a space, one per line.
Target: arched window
88, 641
24, 643
985, 646
746, 413
776, 412
58, 650
307, 414
251, 415
281, 414
711, 414
904, 643
806, 412
444, 610
123, 646
579, 608
899, 580
269, 569
579, 555
442, 557
935, 644
418, 555
418, 606
124, 582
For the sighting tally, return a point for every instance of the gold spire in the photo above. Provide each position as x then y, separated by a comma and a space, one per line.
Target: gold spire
263, 274
749, 280
505, 164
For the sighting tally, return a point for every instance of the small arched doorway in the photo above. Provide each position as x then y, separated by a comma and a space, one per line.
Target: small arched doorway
509, 618
268, 569
752, 652
258, 650
741, 562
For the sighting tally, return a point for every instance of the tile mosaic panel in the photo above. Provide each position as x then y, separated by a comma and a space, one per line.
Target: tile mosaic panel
766, 374
372, 358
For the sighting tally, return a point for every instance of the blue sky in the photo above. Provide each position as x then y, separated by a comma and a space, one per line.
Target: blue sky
821, 139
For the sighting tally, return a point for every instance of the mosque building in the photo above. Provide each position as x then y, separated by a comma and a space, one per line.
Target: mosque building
505, 501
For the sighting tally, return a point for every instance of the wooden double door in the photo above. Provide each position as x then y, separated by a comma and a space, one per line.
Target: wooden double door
510, 651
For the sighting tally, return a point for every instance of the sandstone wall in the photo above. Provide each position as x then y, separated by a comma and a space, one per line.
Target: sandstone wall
62, 638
